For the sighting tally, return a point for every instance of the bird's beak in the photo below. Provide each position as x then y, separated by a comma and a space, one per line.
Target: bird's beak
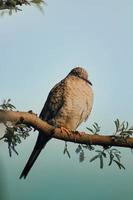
89, 82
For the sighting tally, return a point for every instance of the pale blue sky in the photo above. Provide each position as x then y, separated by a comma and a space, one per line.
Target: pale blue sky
36, 52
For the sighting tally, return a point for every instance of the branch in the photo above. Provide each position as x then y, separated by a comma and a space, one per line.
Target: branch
31, 119
15, 5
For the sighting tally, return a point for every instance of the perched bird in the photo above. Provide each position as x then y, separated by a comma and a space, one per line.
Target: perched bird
68, 104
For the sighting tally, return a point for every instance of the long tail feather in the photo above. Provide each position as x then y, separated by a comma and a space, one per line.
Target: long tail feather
40, 144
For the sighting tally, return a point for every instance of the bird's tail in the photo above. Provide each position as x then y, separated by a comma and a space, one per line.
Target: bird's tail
40, 144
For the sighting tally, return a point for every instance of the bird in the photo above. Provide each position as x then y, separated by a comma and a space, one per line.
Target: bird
68, 104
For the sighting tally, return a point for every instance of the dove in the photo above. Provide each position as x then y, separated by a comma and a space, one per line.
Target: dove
68, 104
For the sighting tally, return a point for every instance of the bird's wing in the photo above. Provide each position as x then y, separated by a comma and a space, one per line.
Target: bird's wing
53, 104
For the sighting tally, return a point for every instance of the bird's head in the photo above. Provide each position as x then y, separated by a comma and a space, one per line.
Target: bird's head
81, 73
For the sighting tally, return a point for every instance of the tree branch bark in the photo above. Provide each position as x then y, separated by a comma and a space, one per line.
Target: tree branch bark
75, 137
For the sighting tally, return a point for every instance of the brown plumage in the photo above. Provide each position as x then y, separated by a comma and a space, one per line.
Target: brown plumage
68, 104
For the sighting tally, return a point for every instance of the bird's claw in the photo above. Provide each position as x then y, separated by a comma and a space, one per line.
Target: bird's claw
79, 133
63, 129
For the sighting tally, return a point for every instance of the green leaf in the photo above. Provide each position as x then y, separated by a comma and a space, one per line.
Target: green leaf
79, 148
117, 156
81, 156
11, 106
90, 129
94, 158
8, 100
122, 126
99, 151
64, 151
68, 153
117, 124
103, 154
115, 150
101, 161
119, 164
95, 126
111, 156
126, 125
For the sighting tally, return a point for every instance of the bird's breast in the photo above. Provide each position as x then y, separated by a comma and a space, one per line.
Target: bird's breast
78, 100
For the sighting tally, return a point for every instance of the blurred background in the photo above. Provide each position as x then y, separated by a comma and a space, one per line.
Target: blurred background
37, 51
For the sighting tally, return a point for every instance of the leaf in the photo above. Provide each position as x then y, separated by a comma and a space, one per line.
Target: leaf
37, 1
10, 11
117, 156
10, 152
39, 4
119, 164
8, 100
68, 153
115, 150
122, 126
81, 156
126, 125
101, 161
64, 151
95, 126
78, 149
15, 150
4, 102
18, 140
117, 124
90, 129
98, 151
111, 159
129, 132
103, 154
94, 158
11, 106
4, 106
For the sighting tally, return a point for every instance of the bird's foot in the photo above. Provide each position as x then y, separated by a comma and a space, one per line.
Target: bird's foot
63, 129
79, 133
